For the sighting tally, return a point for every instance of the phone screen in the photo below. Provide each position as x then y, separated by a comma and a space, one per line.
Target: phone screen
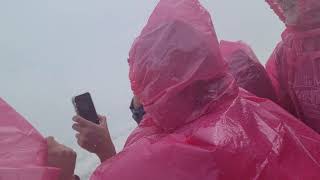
85, 107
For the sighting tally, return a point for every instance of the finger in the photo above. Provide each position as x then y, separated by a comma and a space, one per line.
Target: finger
83, 122
78, 136
52, 143
79, 142
77, 127
50, 140
83, 142
74, 118
103, 121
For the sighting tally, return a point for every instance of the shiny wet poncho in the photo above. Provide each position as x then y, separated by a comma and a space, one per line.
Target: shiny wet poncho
23, 151
294, 66
301, 14
246, 69
199, 125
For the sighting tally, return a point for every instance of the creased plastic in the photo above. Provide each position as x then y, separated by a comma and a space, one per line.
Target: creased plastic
294, 64
245, 67
23, 151
295, 72
198, 123
297, 13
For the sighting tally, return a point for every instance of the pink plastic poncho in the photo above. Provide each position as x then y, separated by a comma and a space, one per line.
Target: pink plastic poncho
23, 151
245, 67
198, 123
295, 72
299, 14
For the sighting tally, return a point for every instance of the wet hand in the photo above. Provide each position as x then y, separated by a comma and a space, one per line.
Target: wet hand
61, 157
94, 138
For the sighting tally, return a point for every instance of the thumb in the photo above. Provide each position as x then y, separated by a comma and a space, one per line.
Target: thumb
103, 121
50, 140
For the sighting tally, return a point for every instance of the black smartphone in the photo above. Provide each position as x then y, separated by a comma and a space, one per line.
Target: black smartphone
84, 107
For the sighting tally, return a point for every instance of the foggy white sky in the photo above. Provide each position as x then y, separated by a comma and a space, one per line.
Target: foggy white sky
51, 50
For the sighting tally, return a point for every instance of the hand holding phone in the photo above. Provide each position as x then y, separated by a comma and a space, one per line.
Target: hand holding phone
94, 138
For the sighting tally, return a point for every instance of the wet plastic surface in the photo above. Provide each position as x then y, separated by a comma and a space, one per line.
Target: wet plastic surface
294, 68
294, 65
23, 151
247, 70
198, 123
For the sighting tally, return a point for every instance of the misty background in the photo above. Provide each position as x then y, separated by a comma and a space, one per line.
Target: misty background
51, 50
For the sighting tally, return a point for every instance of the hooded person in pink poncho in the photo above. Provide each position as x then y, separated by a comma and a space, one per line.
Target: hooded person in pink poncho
294, 65
198, 123
245, 67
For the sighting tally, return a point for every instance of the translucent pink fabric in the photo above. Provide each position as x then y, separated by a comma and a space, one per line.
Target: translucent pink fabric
295, 72
198, 123
297, 13
23, 151
245, 67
